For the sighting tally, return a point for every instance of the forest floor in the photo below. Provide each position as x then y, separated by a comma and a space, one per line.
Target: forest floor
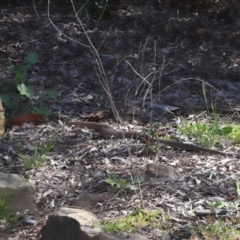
159, 64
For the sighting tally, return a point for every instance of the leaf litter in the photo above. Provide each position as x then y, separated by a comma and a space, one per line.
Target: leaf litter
180, 52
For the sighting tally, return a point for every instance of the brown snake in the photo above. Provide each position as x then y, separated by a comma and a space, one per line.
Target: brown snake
109, 132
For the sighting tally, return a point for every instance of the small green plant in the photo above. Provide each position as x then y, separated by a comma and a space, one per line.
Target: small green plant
233, 132
95, 225
229, 205
7, 213
14, 91
121, 183
238, 188
40, 155
99, 9
206, 134
209, 134
16, 88
99, 93
134, 221
220, 230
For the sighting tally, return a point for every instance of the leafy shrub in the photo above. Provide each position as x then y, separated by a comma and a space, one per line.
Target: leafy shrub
99, 9
15, 90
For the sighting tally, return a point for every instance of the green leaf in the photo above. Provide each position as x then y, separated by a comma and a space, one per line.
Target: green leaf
122, 182
42, 110
8, 85
199, 128
223, 204
238, 188
11, 104
131, 187
22, 77
52, 93
20, 73
227, 129
10, 100
32, 58
15, 70
25, 90
110, 181
139, 180
5, 97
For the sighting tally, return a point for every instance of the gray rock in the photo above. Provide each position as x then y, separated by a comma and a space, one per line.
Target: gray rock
18, 192
88, 200
161, 171
107, 236
77, 224
62, 228
85, 218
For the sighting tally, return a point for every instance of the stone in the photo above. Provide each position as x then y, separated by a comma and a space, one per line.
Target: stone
107, 236
88, 200
19, 193
77, 224
2, 120
85, 218
62, 228
161, 171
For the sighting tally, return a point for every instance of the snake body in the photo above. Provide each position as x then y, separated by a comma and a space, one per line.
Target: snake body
109, 132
